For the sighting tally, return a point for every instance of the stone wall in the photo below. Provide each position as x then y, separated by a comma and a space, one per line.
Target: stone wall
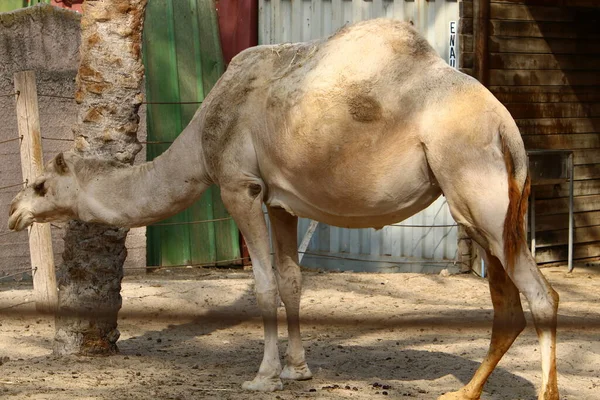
44, 39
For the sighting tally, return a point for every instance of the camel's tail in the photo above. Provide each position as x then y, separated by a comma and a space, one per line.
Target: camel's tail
519, 187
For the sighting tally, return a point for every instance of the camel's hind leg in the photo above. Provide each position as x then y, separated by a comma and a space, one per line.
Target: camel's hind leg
289, 281
486, 229
543, 302
483, 176
509, 321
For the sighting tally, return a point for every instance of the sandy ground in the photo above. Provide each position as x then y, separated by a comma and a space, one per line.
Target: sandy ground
198, 336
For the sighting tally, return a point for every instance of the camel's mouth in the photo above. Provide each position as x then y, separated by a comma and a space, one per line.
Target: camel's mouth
19, 221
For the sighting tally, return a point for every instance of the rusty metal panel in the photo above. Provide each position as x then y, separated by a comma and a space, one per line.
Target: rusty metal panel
238, 26
238, 30
426, 242
75, 5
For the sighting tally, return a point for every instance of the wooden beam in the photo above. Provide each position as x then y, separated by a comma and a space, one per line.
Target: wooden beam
561, 236
561, 205
547, 126
566, 62
554, 110
481, 29
561, 221
523, 12
549, 29
560, 253
571, 141
465, 9
580, 188
40, 238
526, 45
467, 252
546, 94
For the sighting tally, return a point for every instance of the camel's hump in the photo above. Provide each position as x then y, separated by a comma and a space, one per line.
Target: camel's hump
361, 51
401, 36
367, 41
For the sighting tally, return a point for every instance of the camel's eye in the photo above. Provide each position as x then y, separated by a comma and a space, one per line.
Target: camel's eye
39, 188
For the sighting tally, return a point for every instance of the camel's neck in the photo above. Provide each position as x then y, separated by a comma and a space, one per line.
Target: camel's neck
149, 192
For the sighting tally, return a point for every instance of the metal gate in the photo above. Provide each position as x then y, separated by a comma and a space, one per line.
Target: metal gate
426, 242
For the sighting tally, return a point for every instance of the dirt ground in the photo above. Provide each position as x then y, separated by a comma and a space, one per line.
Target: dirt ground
199, 336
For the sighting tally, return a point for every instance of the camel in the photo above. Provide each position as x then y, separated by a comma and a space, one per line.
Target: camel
361, 129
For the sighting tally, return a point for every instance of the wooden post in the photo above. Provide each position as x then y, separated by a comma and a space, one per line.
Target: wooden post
40, 238
481, 30
466, 251
306, 240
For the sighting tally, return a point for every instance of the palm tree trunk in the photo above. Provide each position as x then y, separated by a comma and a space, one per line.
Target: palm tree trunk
109, 94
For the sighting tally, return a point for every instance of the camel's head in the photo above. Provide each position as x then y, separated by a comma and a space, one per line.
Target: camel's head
52, 196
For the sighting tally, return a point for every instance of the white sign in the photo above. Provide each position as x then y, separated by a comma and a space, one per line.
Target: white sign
452, 52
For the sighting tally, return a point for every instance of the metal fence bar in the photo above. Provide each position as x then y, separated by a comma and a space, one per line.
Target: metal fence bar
19, 273
158, 142
15, 185
332, 256
144, 102
72, 140
192, 222
423, 226
193, 265
171, 102
56, 96
57, 139
11, 140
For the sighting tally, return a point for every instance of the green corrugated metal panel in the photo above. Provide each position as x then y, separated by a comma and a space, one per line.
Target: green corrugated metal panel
11, 5
183, 60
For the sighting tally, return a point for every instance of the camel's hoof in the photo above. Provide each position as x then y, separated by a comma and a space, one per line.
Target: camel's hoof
460, 395
551, 394
262, 384
301, 373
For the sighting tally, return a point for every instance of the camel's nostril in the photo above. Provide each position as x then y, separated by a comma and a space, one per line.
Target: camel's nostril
13, 208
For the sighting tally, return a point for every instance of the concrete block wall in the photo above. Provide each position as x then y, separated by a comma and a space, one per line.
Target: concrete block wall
44, 39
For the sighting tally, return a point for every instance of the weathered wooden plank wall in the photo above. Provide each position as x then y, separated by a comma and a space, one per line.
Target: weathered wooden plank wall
543, 63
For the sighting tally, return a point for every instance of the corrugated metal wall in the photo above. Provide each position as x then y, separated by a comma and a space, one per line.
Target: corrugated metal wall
425, 242
283, 21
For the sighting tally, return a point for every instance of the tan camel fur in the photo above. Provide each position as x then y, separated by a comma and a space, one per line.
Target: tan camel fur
362, 129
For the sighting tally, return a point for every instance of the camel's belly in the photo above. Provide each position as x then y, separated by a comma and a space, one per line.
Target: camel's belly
354, 211
347, 173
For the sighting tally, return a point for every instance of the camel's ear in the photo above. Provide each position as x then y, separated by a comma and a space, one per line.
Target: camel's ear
60, 164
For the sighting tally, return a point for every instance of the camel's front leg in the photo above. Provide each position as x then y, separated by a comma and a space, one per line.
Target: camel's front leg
289, 281
245, 206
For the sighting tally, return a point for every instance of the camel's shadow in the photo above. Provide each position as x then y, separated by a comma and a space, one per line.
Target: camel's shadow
404, 369
409, 365
380, 362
